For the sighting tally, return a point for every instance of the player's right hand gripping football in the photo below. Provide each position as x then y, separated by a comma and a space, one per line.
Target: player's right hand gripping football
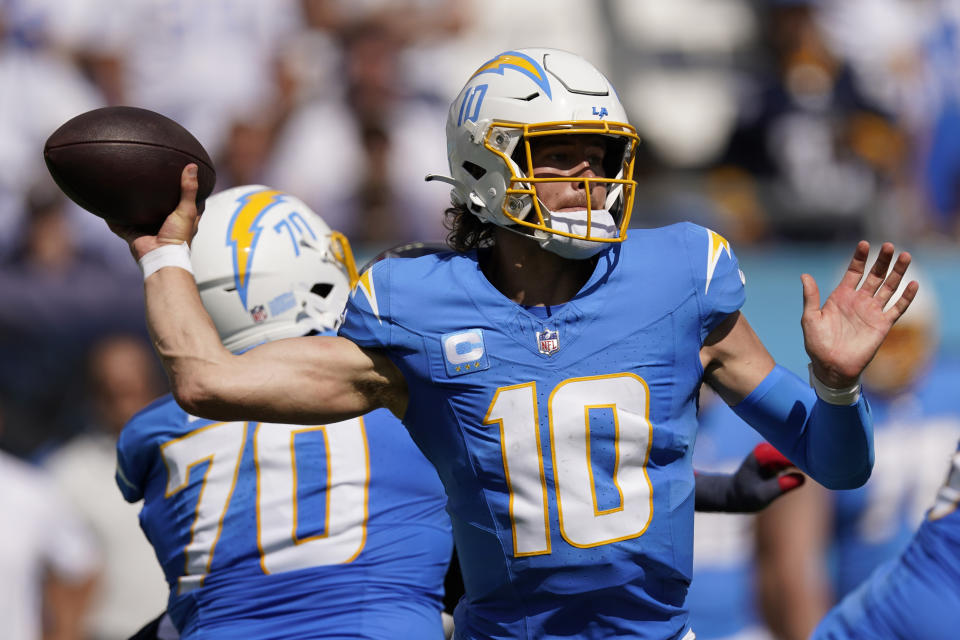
178, 227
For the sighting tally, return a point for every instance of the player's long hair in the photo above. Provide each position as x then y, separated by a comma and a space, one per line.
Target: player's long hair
466, 231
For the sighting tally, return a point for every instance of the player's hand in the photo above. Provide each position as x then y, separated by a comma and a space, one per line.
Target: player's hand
842, 337
763, 476
178, 227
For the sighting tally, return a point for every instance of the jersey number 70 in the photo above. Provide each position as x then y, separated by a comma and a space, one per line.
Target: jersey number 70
280, 548
583, 523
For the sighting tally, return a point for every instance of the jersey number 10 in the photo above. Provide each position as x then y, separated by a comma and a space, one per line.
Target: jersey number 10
582, 522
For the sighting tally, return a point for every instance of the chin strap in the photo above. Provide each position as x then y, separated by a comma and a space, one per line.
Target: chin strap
435, 177
475, 203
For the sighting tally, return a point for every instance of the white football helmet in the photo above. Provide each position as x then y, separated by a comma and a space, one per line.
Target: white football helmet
268, 267
520, 95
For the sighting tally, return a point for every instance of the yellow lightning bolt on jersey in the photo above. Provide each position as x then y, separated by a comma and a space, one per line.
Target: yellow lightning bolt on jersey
716, 245
365, 286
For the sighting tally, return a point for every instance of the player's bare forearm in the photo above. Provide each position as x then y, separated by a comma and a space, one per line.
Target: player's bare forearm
308, 380
183, 335
734, 360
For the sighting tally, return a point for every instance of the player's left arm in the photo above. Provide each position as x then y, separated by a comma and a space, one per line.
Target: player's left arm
827, 434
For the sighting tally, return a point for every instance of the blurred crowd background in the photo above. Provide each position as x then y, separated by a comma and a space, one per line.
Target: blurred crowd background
794, 128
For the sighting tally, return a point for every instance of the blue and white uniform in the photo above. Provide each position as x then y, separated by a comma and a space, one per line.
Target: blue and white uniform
916, 595
874, 523
564, 442
284, 531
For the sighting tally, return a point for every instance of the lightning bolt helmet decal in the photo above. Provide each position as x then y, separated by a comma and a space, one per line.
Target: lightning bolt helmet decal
519, 62
243, 233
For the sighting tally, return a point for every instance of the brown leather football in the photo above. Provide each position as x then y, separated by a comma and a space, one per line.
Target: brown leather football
124, 163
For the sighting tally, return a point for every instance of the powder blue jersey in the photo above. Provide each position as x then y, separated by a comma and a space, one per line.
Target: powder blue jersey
284, 531
873, 523
564, 442
916, 595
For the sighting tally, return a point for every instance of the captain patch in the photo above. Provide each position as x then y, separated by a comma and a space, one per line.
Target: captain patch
464, 352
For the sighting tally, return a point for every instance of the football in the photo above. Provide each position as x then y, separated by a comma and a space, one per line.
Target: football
124, 163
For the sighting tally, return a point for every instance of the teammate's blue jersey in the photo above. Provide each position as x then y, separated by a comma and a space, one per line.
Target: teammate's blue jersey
722, 598
916, 595
564, 442
874, 523
284, 531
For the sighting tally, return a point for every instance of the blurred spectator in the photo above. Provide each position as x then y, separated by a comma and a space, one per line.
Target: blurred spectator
679, 65
123, 377
938, 126
204, 64
817, 546
43, 88
882, 41
58, 298
48, 559
905, 55
680, 68
824, 155
359, 157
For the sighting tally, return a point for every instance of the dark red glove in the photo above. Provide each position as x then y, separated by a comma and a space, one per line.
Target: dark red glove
763, 476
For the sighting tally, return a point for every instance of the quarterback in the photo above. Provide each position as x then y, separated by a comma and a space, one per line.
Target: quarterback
548, 366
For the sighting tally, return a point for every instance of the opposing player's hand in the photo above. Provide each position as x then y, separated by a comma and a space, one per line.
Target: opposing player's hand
842, 336
180, 226
764, 475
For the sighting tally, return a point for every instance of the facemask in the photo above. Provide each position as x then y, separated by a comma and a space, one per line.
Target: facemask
602, 225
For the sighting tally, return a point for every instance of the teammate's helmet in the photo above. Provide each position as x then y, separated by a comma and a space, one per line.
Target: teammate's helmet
268, 267
521, 95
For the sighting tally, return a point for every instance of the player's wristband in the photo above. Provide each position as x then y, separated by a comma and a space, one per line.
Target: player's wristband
842, 397
169, 255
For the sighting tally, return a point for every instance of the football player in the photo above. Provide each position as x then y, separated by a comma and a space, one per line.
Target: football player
915, 595
325, 530
549, 366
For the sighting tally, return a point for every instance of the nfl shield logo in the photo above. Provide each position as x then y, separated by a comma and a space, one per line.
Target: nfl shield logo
548, 341
258, 313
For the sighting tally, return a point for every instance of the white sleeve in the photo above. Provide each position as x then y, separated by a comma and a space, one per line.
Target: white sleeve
70, 548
